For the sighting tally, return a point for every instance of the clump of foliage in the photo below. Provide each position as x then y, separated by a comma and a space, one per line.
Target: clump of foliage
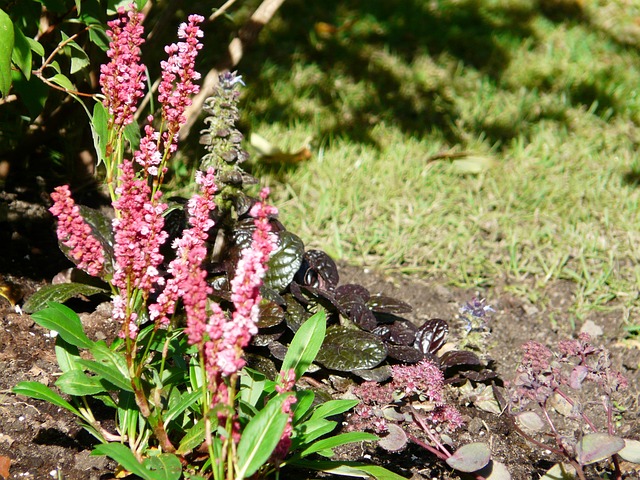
184, 402
572, 384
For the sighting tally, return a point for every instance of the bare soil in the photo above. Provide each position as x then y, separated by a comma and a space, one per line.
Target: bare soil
42, 442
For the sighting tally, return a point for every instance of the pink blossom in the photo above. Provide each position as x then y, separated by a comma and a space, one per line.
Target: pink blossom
74, 233
138, 232
123, 78
148, 155
245, 290
178, 76
188, 279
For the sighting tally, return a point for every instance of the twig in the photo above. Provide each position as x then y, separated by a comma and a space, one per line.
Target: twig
221, 10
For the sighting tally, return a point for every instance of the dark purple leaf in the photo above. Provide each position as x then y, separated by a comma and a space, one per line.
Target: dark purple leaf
345, 349
383, 332
264, 339
296, 314
325, 267
479, 375
270, 314
363, 317
278, 350
384, 304
431, 336
457, 358
347, 302
352, 290
404, 353
402, 332
323, 297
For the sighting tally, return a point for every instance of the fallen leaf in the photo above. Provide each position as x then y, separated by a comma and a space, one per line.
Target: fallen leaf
5, 463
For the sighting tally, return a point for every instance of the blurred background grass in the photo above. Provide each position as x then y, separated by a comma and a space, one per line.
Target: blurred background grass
539, 98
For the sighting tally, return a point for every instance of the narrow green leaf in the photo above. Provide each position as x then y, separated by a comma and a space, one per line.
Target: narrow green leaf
305, 344
311, 430
36, 46
21, 55
185, 402
67, 355
260, 437
193, 438
6, 48
42, 392
342, 439
99, 130
165, 466
125, 458
109, 373
333, 407
59, 293
302, 405
76, 382
64, 321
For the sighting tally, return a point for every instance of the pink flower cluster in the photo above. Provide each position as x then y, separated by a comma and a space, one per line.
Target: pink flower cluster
409, 383
178, 76
286, 384
245, 290
123, 78
139, 234
175, 92
75, 233
188, 278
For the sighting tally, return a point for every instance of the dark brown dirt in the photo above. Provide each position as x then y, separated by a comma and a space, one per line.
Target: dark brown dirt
43, 442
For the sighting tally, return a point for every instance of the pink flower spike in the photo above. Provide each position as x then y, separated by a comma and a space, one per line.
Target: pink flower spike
138, 232
123, 78
178, 77
74, 233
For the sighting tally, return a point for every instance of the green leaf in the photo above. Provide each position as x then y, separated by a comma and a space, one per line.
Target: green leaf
98, 35
6, 48
346, 349
33, 93
348, 469
185, 402
192, 439
113, 366
67, 355
305, 344
333, 407
76, 382
132, 134
64, 321
125, 458
63, 81
99, 130
284, 262
109, 373
59, 293
36, 46
303, 404
165, 466
42, 392
261, 436
336, 441
21, 55
307, 432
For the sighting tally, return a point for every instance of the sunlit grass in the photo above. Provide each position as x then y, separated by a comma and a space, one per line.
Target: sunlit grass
554, 103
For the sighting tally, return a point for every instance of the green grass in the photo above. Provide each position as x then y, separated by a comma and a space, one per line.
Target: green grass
549, 92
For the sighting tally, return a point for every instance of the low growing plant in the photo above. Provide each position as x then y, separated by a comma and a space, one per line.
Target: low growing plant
577, 385
184, 402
